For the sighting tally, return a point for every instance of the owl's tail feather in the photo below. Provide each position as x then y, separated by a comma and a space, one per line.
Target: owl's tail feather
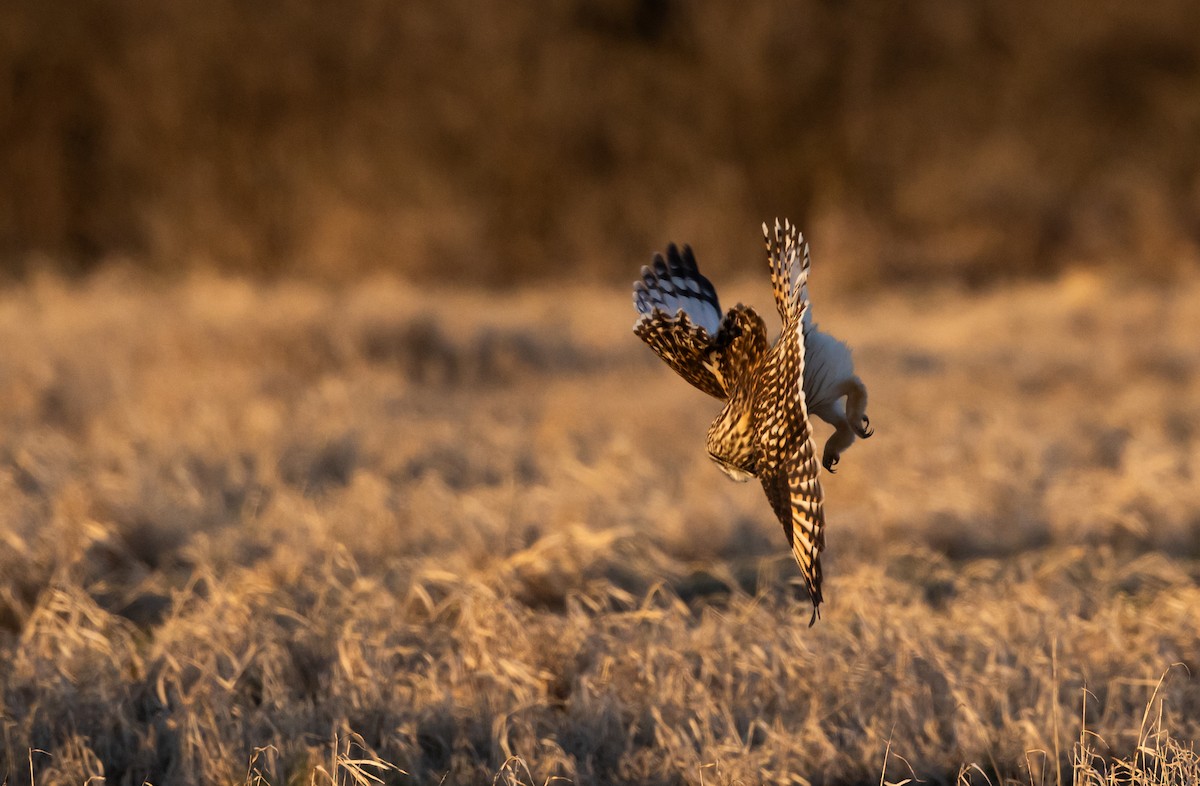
787, 257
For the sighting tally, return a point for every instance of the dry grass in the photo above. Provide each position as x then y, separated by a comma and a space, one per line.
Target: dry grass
292, 535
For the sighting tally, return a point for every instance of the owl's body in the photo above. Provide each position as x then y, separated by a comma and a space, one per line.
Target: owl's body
832, 391
763, 430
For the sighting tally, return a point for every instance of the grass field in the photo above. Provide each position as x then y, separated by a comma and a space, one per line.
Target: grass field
279, 533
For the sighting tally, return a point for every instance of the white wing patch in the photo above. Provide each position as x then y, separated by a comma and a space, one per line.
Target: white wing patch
675, 284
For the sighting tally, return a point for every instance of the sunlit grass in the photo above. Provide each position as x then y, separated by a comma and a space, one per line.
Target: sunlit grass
292, 535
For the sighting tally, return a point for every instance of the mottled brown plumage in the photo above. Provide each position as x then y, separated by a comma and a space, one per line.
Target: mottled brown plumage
763, 430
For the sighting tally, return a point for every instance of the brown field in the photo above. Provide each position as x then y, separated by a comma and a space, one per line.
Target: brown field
503, 143
291, 534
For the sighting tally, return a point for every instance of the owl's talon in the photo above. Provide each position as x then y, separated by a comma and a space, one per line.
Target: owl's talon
865, 431
830, 462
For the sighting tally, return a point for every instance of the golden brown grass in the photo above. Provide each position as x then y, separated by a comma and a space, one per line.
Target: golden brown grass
287, 534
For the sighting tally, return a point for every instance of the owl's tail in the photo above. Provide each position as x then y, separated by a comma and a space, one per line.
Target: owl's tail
787, 257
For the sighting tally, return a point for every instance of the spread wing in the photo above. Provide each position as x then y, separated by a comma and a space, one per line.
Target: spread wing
681, 321
789, 477
789, 469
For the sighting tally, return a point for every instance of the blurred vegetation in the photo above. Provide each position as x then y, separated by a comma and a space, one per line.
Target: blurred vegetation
295, 524
495, 143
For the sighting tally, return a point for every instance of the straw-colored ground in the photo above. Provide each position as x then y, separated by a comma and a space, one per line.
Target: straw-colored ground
265, 532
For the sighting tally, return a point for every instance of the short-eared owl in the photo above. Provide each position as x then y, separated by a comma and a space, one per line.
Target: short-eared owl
763, 431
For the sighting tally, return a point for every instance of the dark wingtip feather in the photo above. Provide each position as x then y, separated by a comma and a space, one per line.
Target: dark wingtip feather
674, 261
689, 260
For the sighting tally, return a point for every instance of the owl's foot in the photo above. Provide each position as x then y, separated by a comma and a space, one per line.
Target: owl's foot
829, 461
836, 445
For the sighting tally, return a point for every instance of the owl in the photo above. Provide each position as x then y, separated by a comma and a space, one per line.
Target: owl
769, 389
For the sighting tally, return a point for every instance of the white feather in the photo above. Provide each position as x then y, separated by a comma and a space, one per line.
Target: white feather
827, 364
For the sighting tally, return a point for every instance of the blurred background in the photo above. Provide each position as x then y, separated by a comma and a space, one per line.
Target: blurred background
300, 496
494, 144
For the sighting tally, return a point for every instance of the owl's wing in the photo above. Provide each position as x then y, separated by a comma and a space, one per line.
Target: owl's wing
789, 263
681, 321
789, 470
795, 495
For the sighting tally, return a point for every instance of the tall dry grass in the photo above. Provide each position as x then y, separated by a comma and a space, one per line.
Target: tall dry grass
292, 534
553, 140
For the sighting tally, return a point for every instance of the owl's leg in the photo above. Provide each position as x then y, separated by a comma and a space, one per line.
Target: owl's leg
849, 421
856, 407
837, 443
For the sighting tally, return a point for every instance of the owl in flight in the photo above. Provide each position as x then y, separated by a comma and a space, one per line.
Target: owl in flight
768, 389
